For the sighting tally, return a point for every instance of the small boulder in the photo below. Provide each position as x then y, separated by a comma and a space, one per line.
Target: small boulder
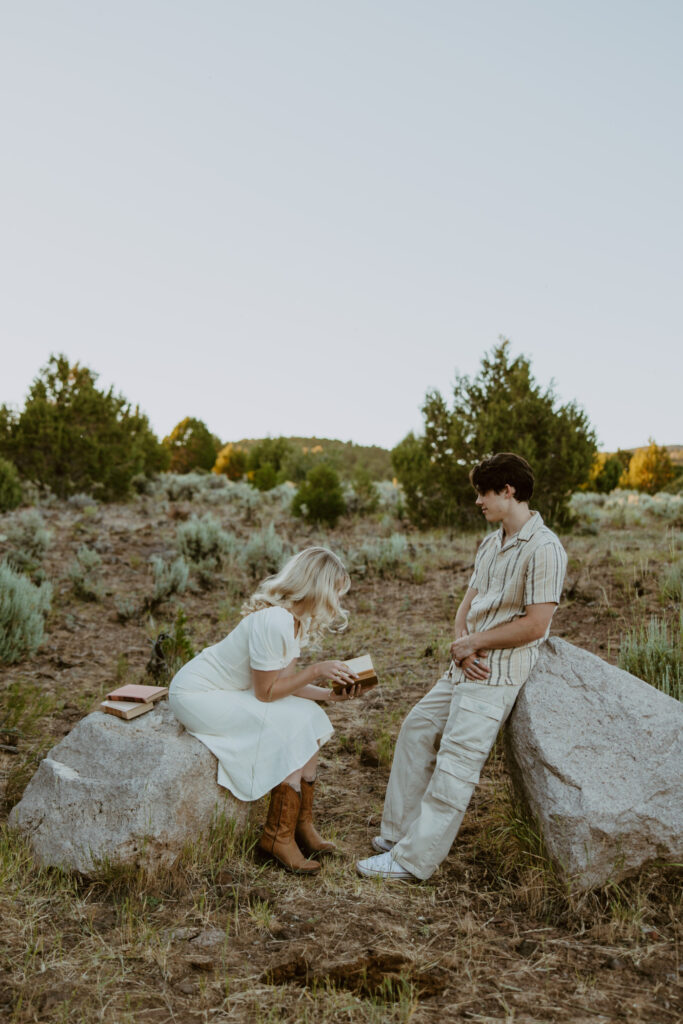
597, 756
123, 792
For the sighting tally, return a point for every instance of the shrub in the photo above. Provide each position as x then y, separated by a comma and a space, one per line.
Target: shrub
391, 497
182, 486
10, 486
605, 472
220, 491
263, 553
85, 574
170, 651
386, 555
320, 498
671, 586
23, 608
265, 461
126, 607
204, 542
231, 461
264, 478
655, 653
191, 445
362, 496
82, 501
169, 578
144, 483
29, 539
73, 437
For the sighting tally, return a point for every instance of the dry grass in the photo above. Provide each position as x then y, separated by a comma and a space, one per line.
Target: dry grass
493, 937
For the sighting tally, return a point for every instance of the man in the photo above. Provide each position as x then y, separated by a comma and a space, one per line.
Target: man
499, 626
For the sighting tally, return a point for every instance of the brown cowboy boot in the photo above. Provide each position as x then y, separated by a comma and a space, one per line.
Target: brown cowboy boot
278, 834
305, 834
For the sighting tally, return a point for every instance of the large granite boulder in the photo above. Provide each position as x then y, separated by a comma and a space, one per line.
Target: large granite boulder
122, 792
597, 756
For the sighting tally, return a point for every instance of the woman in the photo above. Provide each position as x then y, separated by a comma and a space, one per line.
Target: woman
245, 700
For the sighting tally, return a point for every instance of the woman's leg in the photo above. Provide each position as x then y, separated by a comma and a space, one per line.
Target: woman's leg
306, 834
307, 771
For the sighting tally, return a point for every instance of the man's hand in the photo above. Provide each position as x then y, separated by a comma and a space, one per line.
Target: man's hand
476, 667
463, 647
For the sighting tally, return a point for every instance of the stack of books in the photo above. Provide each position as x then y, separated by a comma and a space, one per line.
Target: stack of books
132, 700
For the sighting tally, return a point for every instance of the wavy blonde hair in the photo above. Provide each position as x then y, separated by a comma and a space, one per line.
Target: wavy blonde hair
315, 579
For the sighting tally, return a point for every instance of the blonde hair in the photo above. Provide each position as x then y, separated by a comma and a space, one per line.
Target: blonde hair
315, 579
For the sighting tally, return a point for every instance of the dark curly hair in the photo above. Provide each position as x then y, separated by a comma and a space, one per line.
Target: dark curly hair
503, 468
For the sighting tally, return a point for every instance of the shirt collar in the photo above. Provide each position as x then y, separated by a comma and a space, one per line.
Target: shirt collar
526, 533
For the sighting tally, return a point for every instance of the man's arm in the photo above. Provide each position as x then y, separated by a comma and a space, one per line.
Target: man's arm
523, 630
463, 611
479, 670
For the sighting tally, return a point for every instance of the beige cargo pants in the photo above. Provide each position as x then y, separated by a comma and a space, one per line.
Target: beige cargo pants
428, 792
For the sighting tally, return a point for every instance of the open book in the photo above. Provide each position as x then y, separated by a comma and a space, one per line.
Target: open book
364, 669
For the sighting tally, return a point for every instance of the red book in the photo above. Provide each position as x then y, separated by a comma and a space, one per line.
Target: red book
138, 692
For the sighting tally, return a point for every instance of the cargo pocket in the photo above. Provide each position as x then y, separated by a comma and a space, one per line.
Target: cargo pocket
453, 781
476, 724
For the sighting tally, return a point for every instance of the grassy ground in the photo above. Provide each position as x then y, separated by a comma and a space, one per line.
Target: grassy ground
494, 936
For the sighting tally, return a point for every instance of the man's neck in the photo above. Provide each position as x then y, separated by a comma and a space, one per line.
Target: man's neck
513, 523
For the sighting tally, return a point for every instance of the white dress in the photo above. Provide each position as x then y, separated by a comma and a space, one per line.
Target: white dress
257, 744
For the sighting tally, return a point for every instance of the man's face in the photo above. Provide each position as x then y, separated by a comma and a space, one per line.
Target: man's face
495, 506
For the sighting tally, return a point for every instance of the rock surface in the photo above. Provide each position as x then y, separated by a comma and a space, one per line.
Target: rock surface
122, 792
597, 756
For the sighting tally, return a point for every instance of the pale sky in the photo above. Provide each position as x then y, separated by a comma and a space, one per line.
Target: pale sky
297, 217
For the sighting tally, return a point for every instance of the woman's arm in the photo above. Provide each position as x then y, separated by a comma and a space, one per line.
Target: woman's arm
325, 693
282, 682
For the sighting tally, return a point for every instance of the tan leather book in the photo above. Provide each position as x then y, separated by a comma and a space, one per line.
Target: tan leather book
125, 708
364, 669
138, 692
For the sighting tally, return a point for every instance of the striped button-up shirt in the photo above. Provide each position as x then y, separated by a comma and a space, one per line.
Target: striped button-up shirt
528, 569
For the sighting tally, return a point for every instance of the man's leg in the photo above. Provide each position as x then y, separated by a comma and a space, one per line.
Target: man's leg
414, 759
477, 713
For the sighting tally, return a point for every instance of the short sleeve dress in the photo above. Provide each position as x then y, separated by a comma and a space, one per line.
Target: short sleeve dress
257, 744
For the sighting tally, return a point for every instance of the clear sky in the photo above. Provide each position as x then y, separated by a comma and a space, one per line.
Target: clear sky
297, 217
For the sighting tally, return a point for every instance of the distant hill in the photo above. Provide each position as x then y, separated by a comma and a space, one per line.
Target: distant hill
675, 451
345, 456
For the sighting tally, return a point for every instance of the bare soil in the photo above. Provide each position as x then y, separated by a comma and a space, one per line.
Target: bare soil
491, 938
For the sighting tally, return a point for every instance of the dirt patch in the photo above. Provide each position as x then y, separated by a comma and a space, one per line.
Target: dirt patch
372, 974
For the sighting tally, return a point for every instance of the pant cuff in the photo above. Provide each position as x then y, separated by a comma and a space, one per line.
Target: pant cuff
418, 872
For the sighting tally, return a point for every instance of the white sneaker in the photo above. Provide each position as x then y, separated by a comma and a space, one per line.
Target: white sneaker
384, 866
382, 845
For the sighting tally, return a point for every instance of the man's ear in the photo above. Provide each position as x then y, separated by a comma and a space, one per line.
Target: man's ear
509, 491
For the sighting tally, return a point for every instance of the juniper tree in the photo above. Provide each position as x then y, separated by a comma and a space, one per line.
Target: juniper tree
74, 437
501, 409
191, 445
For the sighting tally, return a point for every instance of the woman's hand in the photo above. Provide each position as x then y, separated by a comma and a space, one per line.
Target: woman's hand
348, 693
336, 672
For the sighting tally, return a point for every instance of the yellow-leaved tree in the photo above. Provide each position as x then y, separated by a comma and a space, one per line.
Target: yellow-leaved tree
649, 470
